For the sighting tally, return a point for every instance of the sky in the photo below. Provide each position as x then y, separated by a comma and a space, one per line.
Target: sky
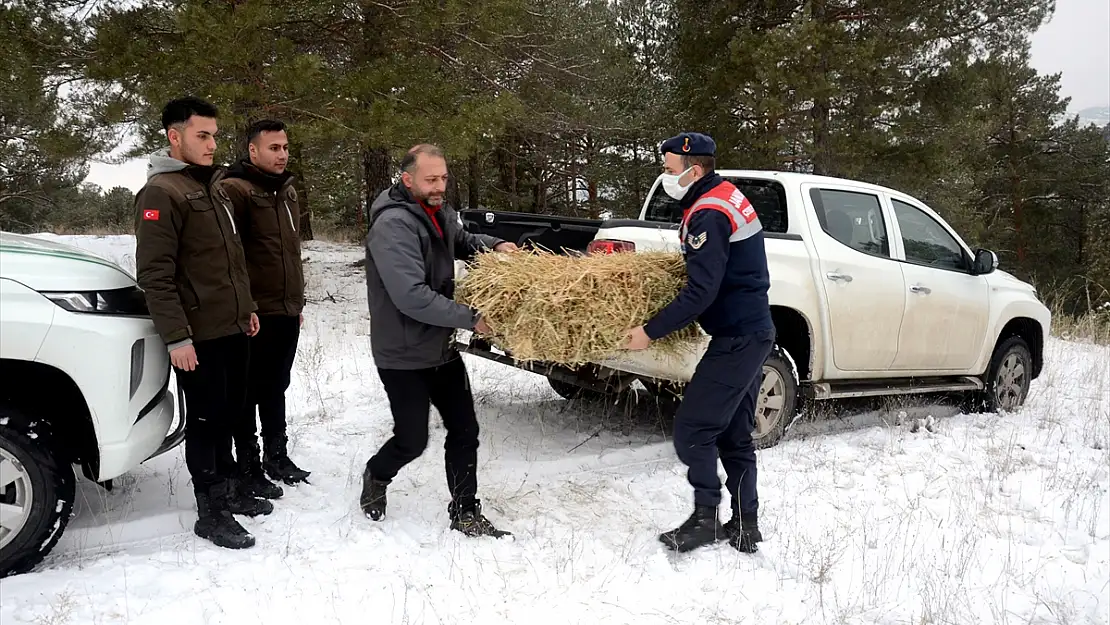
1074, 43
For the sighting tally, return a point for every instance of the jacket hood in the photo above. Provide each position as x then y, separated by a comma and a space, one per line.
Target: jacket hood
160, 162
399, 197
245, 169
396, 196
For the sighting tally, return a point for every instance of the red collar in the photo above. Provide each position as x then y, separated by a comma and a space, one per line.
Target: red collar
431, 211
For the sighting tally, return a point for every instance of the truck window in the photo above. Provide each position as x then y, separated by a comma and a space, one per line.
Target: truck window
926, 242
855, 219
767, 196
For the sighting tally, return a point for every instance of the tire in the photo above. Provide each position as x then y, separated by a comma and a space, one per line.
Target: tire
36, 481
777, 401
1007, 379
776, 404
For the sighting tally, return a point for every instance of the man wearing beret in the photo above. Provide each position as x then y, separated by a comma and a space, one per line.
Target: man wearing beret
726, 293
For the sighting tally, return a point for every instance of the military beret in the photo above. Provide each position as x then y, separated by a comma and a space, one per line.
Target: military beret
690, 144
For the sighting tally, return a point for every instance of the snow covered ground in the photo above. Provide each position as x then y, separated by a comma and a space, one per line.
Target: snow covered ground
868, 517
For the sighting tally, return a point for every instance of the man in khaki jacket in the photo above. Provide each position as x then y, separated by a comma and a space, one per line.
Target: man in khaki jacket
267, 213
192, 268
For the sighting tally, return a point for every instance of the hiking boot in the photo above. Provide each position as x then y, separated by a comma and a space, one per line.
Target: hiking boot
252, 480
372, 499
703, 527
743, 532
471, 522
254, 484
238, 503
215, 523
279, 467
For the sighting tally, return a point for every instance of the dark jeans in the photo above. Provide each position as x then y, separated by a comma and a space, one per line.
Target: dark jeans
717, 416
214, 394
411, 393
272, 352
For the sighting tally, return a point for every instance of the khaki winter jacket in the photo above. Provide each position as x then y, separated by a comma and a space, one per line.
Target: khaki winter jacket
190, 261
267, 212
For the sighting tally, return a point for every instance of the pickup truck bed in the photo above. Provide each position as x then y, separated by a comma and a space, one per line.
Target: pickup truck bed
551, 232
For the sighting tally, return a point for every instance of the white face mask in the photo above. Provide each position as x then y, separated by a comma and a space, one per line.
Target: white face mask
672, 187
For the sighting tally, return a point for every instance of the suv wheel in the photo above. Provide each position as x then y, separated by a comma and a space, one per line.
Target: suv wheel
1008, 377
36, 493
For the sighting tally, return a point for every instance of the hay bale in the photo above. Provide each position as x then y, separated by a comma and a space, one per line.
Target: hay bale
573, 310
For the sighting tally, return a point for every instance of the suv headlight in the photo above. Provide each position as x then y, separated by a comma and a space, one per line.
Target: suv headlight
128, 301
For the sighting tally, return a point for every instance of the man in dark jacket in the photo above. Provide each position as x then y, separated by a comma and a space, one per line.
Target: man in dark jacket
192, 270
726, 292
265, 207
413, 241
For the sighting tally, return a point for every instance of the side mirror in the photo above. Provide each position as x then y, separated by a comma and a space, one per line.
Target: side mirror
986, 261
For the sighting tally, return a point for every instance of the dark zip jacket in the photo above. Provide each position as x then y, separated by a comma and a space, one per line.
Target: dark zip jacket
410, 280
267, 213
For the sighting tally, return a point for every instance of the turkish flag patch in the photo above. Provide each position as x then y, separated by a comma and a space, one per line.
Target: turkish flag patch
150, 214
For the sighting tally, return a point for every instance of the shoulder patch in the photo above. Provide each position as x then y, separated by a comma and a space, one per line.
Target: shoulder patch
697, 241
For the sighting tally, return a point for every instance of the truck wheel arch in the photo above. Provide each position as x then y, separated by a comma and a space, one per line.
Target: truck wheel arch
794, 334
65, 408
1029, 330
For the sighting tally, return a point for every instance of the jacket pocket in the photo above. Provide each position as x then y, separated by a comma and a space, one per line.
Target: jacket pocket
204, 231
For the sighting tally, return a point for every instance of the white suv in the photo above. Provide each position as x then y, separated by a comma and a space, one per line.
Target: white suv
85, 381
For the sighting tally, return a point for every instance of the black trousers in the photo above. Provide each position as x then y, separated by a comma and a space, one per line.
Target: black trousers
411, 393
272, 352
214, 394
717, 417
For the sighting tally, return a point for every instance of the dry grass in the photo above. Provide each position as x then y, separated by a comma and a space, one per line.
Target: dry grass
1093, 326
572, 310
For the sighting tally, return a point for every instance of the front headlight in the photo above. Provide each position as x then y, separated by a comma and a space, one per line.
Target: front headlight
128, 301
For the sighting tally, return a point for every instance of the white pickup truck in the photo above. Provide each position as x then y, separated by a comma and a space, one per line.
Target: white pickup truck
872, 294
84, 380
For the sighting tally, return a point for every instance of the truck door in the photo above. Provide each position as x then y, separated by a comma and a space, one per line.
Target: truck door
947, 308
861, 282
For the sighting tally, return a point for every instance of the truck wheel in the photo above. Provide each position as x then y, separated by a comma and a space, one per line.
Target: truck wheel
36, 494
775, 405
1008, 377
777, 399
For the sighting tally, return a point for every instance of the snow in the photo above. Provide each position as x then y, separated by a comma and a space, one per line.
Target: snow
868, 517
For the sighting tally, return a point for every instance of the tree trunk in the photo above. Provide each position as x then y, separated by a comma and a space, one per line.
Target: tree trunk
591, 178
297, 168
375, 179
472, 196
820, 113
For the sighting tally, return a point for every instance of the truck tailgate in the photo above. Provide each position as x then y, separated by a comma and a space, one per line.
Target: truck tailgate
654, 363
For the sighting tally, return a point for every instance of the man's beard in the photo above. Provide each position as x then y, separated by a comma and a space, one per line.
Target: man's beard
432, 200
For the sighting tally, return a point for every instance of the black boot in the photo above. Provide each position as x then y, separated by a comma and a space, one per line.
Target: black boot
238, 503
215, 523
372, 500
469, 521
702, 528
743, 532
252, 480
278, 466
